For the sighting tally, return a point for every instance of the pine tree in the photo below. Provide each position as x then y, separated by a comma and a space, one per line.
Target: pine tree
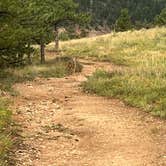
12, 35
161, 19
48, 16
123, 23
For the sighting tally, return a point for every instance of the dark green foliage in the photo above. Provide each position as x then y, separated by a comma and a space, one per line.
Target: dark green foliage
123, 23
26, 23
161, 18
107, 11
12, 35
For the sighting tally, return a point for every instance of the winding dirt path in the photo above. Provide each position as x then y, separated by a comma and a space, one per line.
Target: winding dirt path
62, 126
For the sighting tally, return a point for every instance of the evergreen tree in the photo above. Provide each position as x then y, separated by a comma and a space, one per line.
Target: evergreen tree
25, 23
123, 23
161, 19
12, 35
108, 11
48, 16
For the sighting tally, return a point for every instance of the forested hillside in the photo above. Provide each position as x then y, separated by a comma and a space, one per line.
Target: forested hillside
142, 12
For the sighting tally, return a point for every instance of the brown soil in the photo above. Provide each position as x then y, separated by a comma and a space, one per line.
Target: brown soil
62, 126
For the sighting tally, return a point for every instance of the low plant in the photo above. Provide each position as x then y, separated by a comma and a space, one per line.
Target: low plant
142, 92
6, 141
59, 67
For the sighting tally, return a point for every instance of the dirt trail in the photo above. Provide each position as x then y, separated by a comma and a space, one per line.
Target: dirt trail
62, 126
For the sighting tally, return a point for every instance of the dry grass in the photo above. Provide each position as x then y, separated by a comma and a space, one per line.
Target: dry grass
143, 82
53, 68
120, 48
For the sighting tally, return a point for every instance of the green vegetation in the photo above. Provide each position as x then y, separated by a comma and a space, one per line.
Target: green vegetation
5, 132
58, 68
123, 23
161, 18
142, 82
135, 89
119, 48
28, 23
106, 12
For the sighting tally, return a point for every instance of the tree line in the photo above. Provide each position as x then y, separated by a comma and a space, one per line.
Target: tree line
25, 23
106, 12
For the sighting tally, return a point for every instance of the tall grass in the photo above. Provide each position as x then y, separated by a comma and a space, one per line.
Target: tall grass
54, 68
5, 132
145, 93
143, 82
119, 48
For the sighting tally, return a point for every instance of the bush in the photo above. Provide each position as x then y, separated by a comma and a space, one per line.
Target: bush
64, 36
123, 23
161, 19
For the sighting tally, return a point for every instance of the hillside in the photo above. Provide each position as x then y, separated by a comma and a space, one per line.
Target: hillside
142, 58
76, 109
106, 12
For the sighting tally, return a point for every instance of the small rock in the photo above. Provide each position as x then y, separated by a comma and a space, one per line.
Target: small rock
58, 107
77, 140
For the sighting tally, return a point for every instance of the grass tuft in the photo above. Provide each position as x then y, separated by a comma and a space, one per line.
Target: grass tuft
143, 82
5, 132
145, 93
58, 68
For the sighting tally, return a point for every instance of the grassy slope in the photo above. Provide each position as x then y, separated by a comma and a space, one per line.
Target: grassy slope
143, 82
8, 77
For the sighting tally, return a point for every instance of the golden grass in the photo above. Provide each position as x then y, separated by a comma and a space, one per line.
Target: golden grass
143, 82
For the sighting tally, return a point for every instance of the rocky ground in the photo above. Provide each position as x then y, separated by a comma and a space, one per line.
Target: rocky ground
62, 126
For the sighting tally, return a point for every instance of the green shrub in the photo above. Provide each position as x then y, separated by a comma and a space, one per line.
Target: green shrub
161, 18
135, 90
64, 36
123, 23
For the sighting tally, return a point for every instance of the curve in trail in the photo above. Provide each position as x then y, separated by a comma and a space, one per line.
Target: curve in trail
62, 126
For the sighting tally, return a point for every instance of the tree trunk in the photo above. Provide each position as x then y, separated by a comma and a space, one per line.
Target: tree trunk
56, 39
42, 53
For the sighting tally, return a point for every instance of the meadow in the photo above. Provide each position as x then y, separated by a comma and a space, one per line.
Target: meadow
142, 54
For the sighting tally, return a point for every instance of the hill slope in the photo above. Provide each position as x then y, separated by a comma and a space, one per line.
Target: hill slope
142, 82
